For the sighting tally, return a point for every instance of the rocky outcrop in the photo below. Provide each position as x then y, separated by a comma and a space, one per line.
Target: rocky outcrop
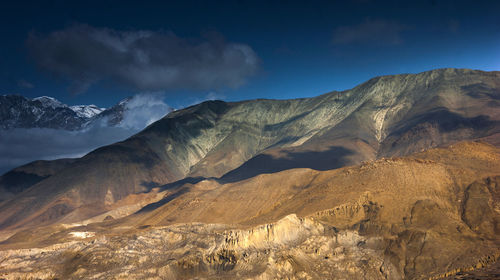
292, 248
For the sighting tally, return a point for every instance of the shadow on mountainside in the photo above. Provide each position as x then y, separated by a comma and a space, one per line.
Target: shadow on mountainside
163, 201
447, 121
177, 187
481, 90
334, 157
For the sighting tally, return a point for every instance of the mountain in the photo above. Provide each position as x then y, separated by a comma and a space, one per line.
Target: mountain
46, 112
114, 115
86, 111
365, 167
429, 215
23, 177
42, 112
385, 116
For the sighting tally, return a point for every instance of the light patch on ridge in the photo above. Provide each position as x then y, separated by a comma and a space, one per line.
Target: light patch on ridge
379, 119
108, 199
82, 234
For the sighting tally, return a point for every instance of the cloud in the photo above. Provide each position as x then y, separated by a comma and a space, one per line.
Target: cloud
142, 60
378, 32
24, 84
144, 109
212, 95
20, 146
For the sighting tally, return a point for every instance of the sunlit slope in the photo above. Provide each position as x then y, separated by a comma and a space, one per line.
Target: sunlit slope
430, 214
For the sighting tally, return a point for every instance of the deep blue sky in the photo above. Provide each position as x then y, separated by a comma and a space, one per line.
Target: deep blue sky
304, 48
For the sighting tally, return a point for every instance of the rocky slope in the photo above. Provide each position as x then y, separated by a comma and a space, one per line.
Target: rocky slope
429, 215
385, 116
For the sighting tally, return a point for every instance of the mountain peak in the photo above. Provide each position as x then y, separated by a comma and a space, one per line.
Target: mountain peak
48, 101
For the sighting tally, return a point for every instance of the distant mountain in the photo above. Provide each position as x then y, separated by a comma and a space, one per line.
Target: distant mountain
114, 115
86, 111
44, 112
41, 112
47, 112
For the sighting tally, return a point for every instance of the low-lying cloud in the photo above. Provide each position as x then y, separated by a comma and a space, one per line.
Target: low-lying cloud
20, 146
142, 60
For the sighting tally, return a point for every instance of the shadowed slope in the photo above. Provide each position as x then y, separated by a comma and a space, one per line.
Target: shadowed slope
23, 177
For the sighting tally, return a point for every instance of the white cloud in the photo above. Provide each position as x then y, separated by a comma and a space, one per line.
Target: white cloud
144, 109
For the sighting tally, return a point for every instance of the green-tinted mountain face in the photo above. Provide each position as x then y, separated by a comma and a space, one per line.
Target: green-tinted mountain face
386, 116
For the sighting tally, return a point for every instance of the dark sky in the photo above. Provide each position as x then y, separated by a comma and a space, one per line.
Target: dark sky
100, 52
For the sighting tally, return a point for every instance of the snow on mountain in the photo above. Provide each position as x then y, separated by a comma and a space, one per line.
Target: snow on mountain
49, 102
44, 112
47, 112
87, 111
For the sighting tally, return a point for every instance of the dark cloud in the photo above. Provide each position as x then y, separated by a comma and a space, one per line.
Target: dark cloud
375, 32
24, 84
20, 146
142, 60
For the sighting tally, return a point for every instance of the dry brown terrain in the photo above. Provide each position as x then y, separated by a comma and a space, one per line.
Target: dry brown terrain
431, 214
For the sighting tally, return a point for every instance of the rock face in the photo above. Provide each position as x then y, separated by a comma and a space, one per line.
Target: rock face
404, 218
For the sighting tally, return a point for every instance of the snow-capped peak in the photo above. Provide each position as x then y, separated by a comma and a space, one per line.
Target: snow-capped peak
49, 102
86, 111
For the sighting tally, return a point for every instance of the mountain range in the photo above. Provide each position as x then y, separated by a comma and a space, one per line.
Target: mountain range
17, 111
371, 182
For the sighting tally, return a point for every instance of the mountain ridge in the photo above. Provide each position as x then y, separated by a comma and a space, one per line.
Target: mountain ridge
397, 178
385, 116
